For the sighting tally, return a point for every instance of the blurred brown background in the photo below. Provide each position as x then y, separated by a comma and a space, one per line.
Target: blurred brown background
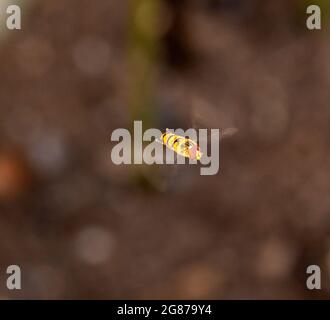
81, 227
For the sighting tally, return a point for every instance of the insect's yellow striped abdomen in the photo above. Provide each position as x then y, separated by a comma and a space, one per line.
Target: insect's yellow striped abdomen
181, 145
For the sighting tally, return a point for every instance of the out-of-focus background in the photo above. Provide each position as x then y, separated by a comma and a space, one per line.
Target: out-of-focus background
81, 227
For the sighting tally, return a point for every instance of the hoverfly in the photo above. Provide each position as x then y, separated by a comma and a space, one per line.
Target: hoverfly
181, 145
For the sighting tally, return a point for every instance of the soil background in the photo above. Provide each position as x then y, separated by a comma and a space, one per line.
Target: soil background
81, 227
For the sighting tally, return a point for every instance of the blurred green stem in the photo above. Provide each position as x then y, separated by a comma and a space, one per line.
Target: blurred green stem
143, 59
143, 53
